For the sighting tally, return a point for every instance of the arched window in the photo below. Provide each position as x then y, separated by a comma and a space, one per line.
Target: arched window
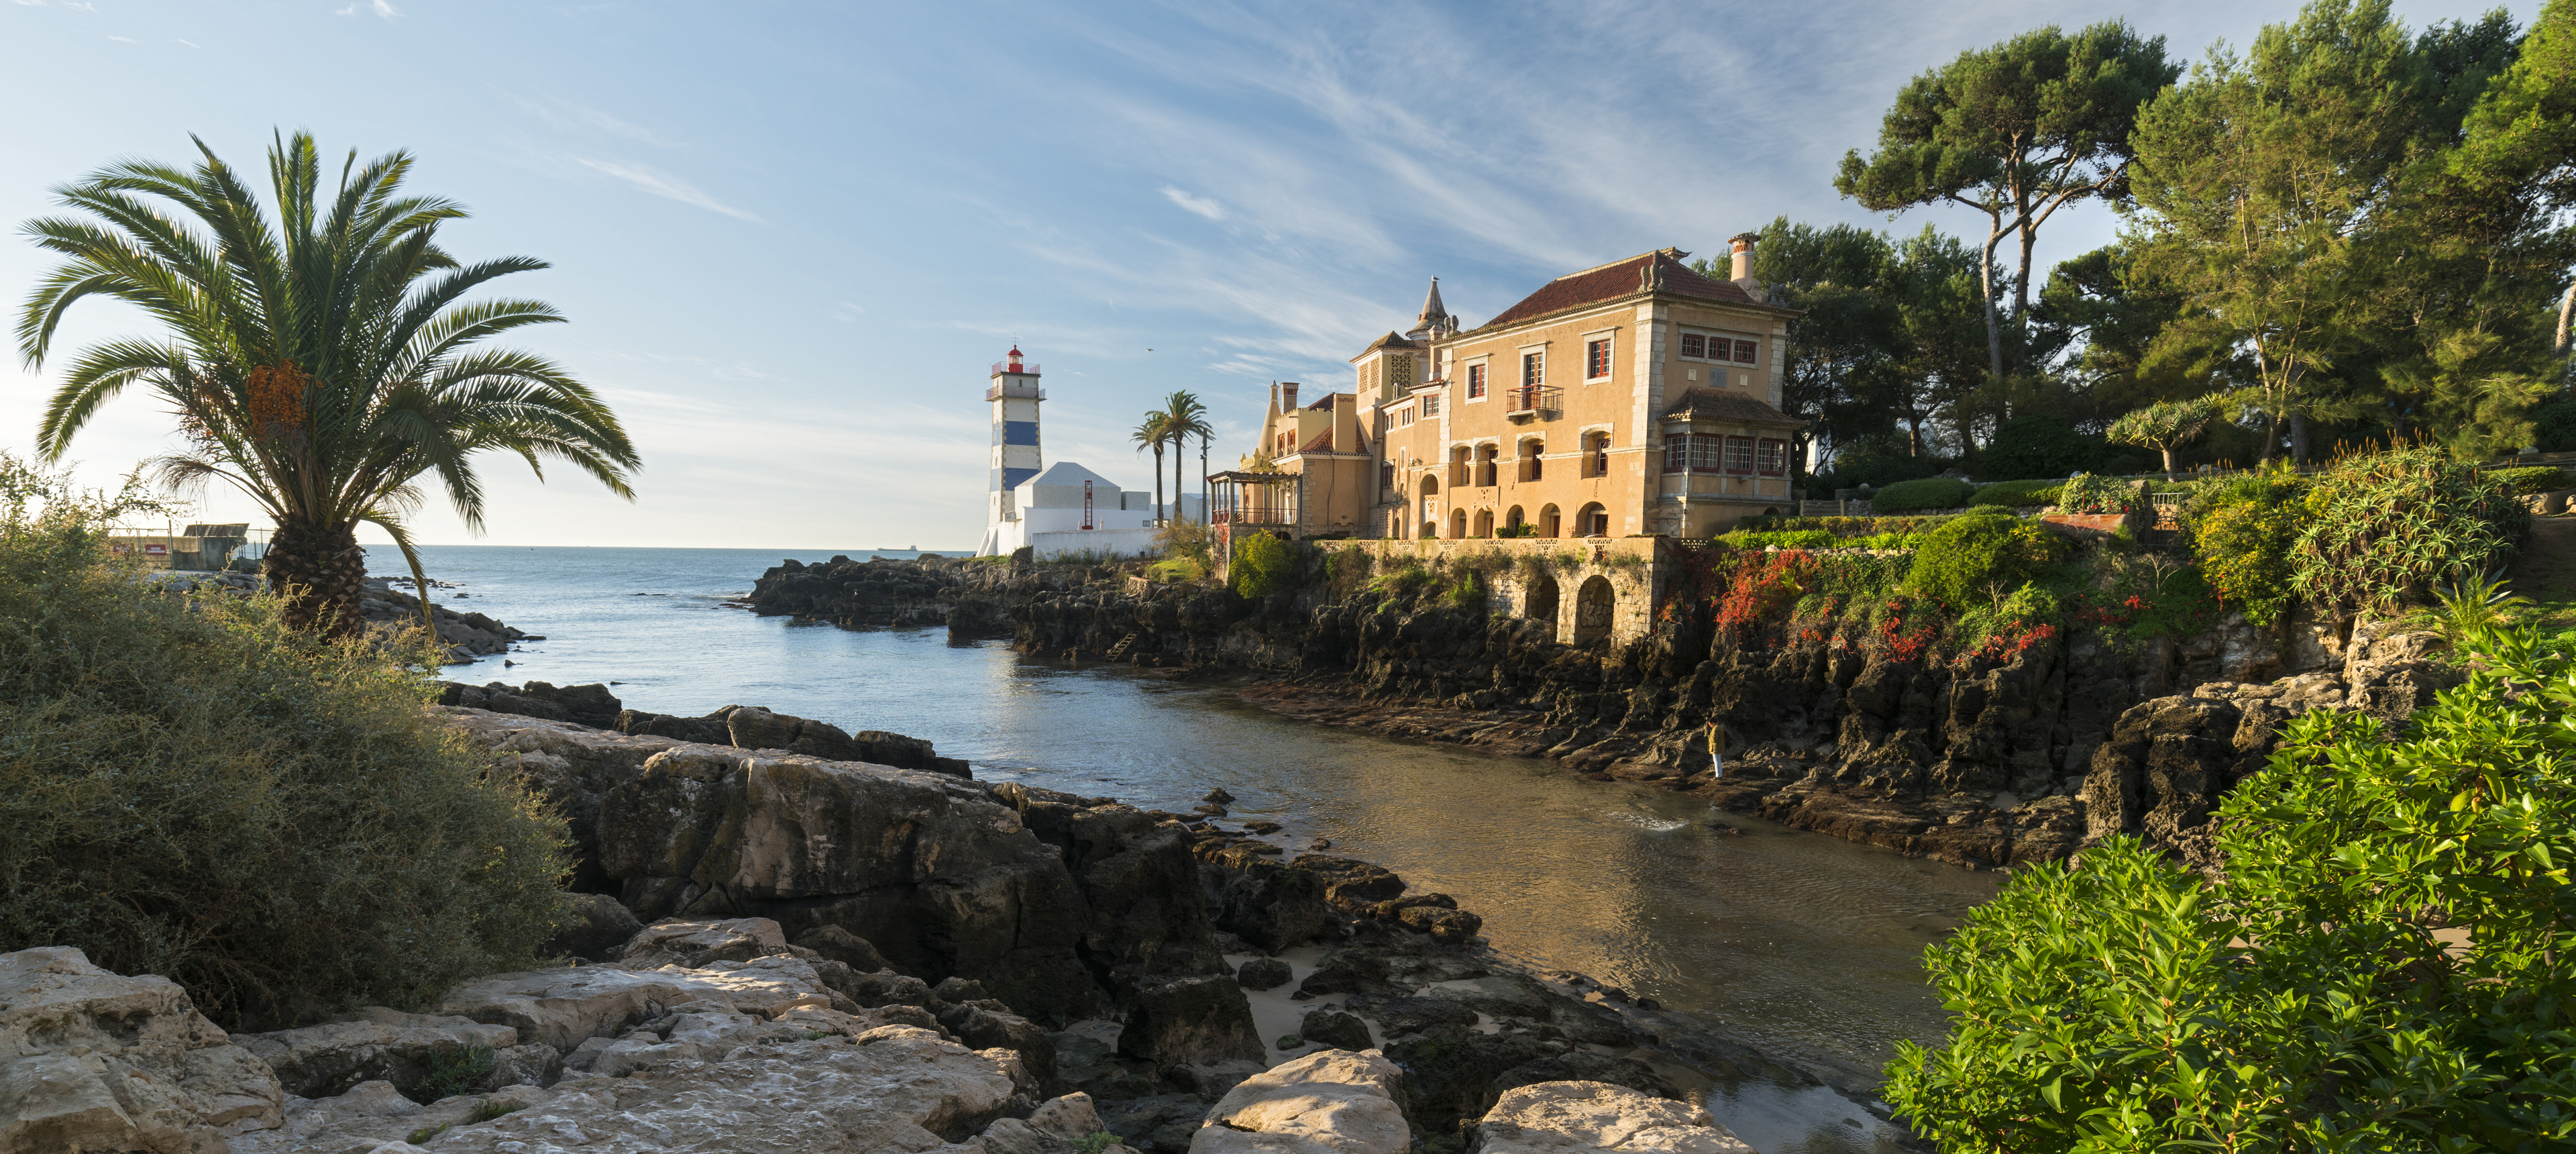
1484, 523
1548, 521
1540, 603
1461, 462
1596, 454
1457, 524
1531, 466
1595, 606
1485, 465
1592, 521
1512, 522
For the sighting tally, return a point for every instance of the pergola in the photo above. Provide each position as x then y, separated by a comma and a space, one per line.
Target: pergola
1256, 500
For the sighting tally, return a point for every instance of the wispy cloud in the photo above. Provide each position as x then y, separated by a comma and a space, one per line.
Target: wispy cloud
33, 3
383, 10
1198, 204
351, 10
125, 40
668, 187
568, 116
191, 43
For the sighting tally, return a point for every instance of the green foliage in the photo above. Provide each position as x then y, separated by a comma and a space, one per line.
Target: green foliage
1884, 541
192, 788
2532, 479
2165, 426
1969, 560
454, 1070
2387, 963
1788, 539
1347, 570
1180, 540
2086, 493
321, 354
2037, 445
2554, 425
1844, 526
1466, 591
2244, 547
1177, 570
1094, 1142
2016, 494
2476, 608
422, 1136
486, 1111
1928, 493
2383, 530
1403, 579
1263, 565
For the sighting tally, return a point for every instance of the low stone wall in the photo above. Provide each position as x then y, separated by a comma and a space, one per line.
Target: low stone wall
1578, 589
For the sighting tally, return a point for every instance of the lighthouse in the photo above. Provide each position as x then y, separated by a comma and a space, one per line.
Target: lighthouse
1014, 397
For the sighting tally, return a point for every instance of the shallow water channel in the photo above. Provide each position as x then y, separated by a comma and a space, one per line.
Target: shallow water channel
1800, 945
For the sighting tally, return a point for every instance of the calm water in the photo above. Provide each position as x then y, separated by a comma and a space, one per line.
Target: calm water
1802, 945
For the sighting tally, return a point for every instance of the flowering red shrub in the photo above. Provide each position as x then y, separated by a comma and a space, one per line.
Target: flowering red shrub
1760, 589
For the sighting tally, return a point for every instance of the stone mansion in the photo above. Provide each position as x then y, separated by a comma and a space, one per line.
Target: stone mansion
1634, 398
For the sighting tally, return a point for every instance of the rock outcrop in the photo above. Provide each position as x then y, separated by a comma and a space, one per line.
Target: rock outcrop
1328, 1102
1580, 1117
467, 635
94, 1060
1979, 762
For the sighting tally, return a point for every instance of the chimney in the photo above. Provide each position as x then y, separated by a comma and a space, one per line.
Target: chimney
1287, 395
1742, 246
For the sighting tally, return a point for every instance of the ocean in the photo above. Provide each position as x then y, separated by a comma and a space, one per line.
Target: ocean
1799, 944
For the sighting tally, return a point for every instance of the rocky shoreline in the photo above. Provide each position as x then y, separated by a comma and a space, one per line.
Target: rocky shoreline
774, 949
1984, 763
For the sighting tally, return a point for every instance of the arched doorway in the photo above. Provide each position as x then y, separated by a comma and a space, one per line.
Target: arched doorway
1540, 604
1594, 605
1457, 524
1430, 507
1485, 465
1462, 463
1484, 522
1548, 519
1592, 521
1531, 466
1512, 522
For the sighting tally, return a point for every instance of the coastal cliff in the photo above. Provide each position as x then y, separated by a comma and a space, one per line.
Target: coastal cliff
1982, 761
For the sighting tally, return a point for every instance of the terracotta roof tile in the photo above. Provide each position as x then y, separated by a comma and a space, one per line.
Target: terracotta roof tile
1719, 405
1612, 281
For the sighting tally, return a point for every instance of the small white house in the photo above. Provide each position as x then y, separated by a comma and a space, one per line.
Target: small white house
1068, 509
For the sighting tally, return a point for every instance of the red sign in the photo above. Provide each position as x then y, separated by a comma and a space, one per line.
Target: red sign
156, 550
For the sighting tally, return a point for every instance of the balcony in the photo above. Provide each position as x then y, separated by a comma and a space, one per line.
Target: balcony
1023, 391
1540, 401
1001, 367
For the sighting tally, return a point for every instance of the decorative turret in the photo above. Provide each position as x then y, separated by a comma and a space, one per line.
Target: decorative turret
1435, 321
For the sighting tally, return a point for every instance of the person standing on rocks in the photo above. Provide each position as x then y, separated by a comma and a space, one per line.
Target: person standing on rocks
1716, 750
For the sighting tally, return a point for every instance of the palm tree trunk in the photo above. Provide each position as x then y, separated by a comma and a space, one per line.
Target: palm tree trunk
320, 573
1206, 515
1158, 480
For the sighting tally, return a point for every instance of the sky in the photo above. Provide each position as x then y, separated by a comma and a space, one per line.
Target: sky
792, 237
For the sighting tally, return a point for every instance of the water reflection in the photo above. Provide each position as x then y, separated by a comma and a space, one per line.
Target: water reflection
1795, 943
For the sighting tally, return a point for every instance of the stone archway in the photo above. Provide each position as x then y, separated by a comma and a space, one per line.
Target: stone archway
1592, 521
1457, 524
1549, 521
1540, 603
1512, 521
1595, 604
1484, 522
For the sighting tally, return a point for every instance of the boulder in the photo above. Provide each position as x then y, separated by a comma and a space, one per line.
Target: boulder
1341, 1031
1572, 1117
564, 1008
374, 1045
1328, 1102
94, 1060
885, 1089
710, 730
1204, 1019
926, 868
751, 727
1272, 905
840, 945
596, 926
1263, 974
987, 1025
690, 943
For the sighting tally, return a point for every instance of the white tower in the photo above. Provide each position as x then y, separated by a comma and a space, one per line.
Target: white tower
1014, 396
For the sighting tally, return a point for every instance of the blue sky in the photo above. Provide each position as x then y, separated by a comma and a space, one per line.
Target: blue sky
791, 237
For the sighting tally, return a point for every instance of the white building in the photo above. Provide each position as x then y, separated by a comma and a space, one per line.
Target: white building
1059, 510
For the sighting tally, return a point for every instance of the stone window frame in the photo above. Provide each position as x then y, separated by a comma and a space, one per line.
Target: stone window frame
1606, 340
1477, 375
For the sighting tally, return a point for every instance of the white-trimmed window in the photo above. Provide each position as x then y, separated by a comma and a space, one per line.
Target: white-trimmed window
1404, 416
1533, 370
1596, 359
1739, 455
1430, 404
1771, 458
1475, 381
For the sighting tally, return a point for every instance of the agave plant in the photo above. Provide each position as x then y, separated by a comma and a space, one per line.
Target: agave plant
322, 362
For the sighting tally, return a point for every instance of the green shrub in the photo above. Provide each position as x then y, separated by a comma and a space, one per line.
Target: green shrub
1401, 580
1928, 493
2087, 494
1975, 560
2531, 479
2303, 1000
2383, 530
1263, 565
190, 788
1885, 541
1843, 526
2244, 549
1178, 570
1792, 539
2038, 445
2016, 494
2554, 425
454, 1070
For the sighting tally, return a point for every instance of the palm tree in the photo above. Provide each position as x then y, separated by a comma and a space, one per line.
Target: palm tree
1186, 418
321, 363
1154, 433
